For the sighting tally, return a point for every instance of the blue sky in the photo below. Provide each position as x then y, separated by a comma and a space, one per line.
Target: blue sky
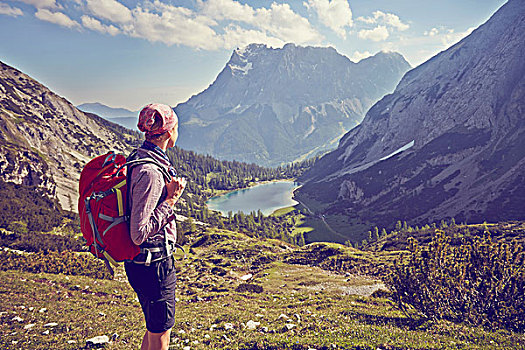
130, 53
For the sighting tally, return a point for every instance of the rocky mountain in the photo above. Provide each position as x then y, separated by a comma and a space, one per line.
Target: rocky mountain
45, 140
272, 106
448, 143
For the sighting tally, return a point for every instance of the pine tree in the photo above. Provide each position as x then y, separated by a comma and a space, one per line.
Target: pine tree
301, 241
375, 234
191, 225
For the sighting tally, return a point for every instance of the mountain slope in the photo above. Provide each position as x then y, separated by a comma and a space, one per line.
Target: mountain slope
449, 142
271, 106
45, 140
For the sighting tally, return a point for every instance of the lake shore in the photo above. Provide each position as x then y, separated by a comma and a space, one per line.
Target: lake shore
266, 198
218, 193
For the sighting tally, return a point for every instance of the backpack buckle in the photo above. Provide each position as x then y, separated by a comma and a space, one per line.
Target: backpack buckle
109, 159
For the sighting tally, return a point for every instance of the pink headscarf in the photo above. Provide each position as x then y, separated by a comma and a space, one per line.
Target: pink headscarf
147, 119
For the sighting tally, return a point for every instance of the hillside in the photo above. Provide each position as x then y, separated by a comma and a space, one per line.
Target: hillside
234, 292
447, 143
45, 140
273, 106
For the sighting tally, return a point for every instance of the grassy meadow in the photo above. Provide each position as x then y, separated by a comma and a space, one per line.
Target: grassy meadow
237, 292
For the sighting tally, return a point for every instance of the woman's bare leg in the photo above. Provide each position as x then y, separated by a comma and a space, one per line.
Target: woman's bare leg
158, 341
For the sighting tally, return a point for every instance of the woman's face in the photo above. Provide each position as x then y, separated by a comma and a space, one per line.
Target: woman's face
174, 135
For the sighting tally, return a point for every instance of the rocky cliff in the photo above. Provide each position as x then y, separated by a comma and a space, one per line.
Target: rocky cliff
273, 106
45, 141
449, 142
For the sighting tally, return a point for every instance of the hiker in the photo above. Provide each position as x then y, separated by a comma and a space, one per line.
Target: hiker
152, 225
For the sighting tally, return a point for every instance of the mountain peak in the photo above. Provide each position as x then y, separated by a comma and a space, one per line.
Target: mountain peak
294, 91
249, 50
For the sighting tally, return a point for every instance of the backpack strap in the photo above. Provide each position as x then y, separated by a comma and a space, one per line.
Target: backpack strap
133, 161
169, 247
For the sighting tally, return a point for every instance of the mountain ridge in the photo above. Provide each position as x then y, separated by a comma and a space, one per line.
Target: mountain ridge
105, 111
460, 117
120, 116
273, 106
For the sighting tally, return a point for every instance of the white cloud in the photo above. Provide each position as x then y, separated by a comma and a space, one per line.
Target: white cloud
335, 14
277, 24
450, 37
388, 19
281, 22
420, 48
391, 20
227, 10
5, 9
56, 17
175, 25
110, 10
96, 25
358, 56
367, 20
379, 33
432, 32
41, 4
235, 36
445, 35
214, 24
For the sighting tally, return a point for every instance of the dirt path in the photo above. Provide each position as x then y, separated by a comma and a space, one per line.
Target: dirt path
320, 216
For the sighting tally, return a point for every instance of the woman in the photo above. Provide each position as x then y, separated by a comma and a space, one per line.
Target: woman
152, 224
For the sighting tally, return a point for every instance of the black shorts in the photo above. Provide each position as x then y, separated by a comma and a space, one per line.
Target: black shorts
155, 288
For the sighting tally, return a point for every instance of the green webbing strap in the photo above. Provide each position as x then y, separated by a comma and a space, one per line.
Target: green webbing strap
110, 259
181, 248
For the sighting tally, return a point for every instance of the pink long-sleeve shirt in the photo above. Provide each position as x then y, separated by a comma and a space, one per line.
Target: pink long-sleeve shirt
151, 217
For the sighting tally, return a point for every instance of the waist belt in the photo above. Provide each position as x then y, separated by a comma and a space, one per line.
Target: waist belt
151, 252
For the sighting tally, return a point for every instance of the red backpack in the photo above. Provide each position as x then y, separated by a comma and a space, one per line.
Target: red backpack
103, 207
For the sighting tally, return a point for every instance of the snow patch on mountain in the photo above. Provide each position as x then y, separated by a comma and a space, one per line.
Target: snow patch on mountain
243, 70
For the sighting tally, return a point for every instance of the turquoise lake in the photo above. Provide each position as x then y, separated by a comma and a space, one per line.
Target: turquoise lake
267, 197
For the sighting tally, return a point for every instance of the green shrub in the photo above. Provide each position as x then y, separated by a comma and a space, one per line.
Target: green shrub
480, 282
17, 227
40, 242
68, 263
29, 205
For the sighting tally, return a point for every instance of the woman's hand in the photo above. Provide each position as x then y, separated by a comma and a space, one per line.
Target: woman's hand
175, 189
